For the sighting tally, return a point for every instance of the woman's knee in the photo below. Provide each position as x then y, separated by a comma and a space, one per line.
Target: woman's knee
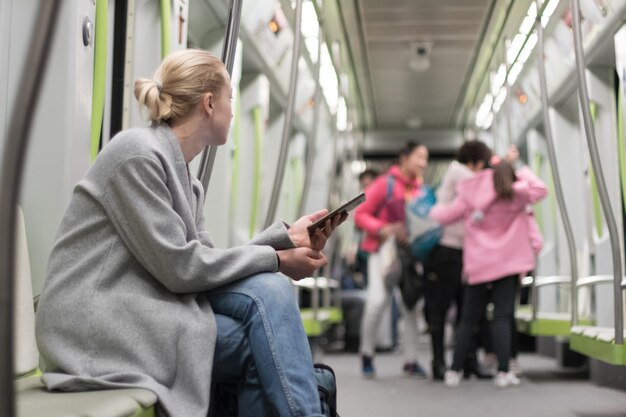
272, 288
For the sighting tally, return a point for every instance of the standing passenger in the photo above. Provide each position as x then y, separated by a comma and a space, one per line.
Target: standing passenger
136, 294
496, 249
382, 217
446, 262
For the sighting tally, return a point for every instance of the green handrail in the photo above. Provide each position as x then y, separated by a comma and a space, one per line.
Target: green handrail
99, 76
595, 196
166, 27
257, 115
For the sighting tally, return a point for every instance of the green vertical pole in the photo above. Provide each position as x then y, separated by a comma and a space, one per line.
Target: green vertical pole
99, 76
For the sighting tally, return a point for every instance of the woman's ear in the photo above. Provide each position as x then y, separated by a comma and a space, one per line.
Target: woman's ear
208, 103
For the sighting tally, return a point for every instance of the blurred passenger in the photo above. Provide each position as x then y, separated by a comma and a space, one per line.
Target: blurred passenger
446, 262
382, 217
137, 295
496, 250
367, 177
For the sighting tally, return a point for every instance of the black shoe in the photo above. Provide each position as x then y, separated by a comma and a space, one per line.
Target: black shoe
438, 371
477, 371
414, 369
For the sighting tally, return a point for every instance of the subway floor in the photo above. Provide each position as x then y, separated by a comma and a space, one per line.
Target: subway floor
546, 391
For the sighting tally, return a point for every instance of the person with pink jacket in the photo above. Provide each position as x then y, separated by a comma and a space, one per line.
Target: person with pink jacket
496, 249
382, 217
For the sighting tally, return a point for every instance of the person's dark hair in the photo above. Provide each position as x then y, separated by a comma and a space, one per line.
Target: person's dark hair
474, 151
409, 148
503, 179
372, 173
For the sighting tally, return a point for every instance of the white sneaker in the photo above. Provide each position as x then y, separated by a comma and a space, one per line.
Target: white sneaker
452, 379
514, 367
506, 379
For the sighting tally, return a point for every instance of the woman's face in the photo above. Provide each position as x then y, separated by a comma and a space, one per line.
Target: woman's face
222, 113
417, 161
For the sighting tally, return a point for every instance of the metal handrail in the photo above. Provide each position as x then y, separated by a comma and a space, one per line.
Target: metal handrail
13, 154
594, 280
600, 179
552, 280
527, 281
311, 149
284, 143
556, 176
209, 153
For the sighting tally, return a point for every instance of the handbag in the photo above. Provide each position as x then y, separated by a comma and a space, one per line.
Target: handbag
411, 282
391, 265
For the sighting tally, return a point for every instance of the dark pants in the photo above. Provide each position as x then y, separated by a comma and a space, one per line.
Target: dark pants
444, 281
475, 301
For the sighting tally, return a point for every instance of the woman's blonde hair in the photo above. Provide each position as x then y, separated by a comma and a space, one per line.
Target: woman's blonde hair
179, 84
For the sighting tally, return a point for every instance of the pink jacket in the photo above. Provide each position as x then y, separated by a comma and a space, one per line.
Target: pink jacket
378, 210
497, 237
534, 234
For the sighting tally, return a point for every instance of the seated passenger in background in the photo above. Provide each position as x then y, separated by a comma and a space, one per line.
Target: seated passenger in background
137, 295
496, 249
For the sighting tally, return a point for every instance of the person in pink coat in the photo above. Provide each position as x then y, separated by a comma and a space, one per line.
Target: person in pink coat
496, 249
382, 217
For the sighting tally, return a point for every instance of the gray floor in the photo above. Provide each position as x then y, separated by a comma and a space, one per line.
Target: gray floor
546, 391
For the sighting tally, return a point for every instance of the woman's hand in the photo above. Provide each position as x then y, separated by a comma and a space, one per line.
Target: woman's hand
299, 233
512, 154
394, 229
298, 263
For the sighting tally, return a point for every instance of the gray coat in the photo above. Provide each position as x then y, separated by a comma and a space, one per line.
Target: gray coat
122, 305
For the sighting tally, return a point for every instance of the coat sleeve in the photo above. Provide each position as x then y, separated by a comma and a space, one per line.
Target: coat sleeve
140, 207
366, 215
529, 187
449, 213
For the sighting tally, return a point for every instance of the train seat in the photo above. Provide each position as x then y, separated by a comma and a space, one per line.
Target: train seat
33, 399
530, 320
599, 343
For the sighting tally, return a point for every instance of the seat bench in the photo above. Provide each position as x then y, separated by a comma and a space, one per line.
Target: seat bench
34, 400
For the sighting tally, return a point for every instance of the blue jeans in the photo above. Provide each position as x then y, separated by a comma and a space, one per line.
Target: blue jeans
262, 340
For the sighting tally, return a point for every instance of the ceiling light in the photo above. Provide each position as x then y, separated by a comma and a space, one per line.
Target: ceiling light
419, 64
414, 122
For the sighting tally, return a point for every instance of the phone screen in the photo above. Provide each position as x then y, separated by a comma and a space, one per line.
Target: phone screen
345, 208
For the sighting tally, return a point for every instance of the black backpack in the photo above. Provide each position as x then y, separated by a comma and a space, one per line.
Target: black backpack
327, 387
224, 397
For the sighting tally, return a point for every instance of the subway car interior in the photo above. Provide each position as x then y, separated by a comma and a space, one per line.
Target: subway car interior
322, 92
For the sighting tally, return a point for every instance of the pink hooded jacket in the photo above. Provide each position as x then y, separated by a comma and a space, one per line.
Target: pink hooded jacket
378, 210
497, 237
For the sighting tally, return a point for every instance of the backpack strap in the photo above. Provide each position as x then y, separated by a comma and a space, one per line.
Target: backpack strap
390, 183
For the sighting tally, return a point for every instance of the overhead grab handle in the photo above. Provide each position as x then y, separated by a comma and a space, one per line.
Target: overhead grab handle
228, 58
583, 95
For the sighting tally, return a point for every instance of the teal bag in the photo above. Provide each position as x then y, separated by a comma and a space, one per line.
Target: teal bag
424, 232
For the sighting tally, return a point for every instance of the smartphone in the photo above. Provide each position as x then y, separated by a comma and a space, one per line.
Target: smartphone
345, 208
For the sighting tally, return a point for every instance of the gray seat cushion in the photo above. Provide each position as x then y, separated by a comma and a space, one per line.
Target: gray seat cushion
33, 400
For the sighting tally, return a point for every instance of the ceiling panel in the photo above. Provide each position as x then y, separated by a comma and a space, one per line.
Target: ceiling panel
389, 33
